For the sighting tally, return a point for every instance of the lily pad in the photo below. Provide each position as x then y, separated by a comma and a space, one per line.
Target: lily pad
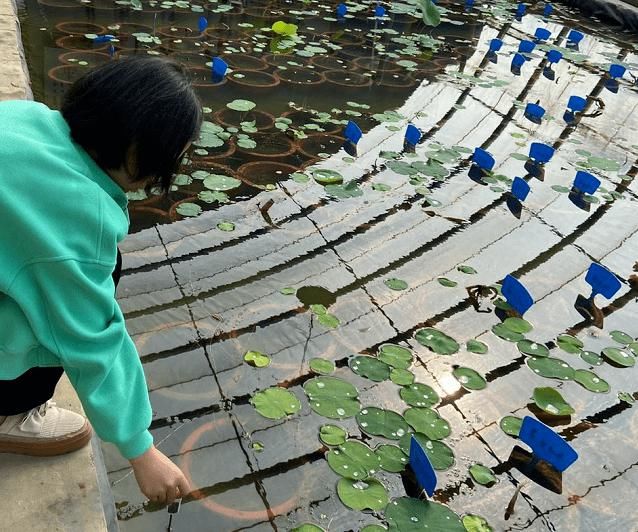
476, 523
430, 13
332, 397
440, 455
256, 359
507, 334
552, 368
419, 395
619, 356
413, 515
476, 346
437, 341
321, 366
396, 284
188, 209
428, 422
621, 337
327, 177
241, 105
551, 401
402, 377
370, 367
226, 226
307, 527
529, 347
448, 283
332, 435
602, 163
362, 495
591, 381
391, 458
288, 291
518, 325
374, 528
380, 422
482, 475
511, 425
221, 182
353, 460
569, 344
626, 397
347, 190
633, 347
275, 403
395, 355
466, 269
328, 320
469, 378
591, 358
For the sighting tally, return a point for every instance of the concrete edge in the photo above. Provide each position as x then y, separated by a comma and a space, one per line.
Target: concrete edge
104, 487
623, 13
23, 84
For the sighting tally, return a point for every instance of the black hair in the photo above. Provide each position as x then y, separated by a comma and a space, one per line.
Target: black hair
142, 103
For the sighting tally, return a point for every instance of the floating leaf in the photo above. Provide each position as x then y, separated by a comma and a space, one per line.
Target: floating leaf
529, 347
380, 187
391, 458
518, 325
380, 422
437, 341
430, 13
288, 291
299, 177
331, 397
327, 177
395, 356
353, 460
626, 397
551, 401
332, 435
374, 528
275, 403
466, 269
591, 358
321, 366
256, 359
221, 182
328, 320
591, 381
475, 346
440, 455
603, 164
505, 333
475, 523
569, 343
621, 337
633, 347
362, 495
307, 527
413, 515
246, 144
444, 281
226, 226
395, 284
511, 425
619, 356
188, 209
552, 368
428, 422
419, 394
402, 377
347, 190
241, 105
481, 474
282, 28
209, 196
560, 188
370, 367
469, 378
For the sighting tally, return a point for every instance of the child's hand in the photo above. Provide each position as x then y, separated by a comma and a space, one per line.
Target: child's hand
159, 478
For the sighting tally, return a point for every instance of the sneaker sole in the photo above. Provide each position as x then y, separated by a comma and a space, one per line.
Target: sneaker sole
46, 446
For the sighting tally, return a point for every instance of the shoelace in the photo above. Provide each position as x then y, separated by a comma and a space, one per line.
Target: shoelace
32, 421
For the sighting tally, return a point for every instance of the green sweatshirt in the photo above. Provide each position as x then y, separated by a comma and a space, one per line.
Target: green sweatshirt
61, 218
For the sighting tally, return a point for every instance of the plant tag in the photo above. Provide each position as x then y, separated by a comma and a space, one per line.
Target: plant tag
422, 467
483, 159
520, 188
585, 182
547, 444
202, 24
352, 132
602, 281
412, 135
218, 69
516, 294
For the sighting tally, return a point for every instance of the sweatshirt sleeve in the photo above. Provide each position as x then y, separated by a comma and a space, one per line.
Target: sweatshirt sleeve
71, 307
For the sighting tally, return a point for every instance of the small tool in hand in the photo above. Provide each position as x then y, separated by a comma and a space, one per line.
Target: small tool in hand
173, 508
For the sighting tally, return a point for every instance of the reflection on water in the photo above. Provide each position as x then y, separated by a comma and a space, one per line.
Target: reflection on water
197, 298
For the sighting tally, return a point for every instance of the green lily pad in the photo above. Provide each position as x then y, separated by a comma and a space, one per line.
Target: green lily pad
619, 356
440, 455
370, 367
327, 177
570, 344
332, 397
419, 395
507, 334
321, 366
299, 177
476, 346
511, 425
256, 359
188, 209
448, 283
482, 475
551, 401
633, 347
374, 528
428, 422
466, 269
430, 13
626, 397
602, 163
561, 188
328, 320
332, 435
220, 182
241, 105
591, 381
395, 356
476, 523
307, 527
288, 291
402, 377
437, 341
413, 515
591, 358
380, 422
529, 347
396, 284
275, 403
347, 190
391, 458
362, 495
226, 226
621, 337
552, 368
469, 378
353, 460
209, 196
518, 325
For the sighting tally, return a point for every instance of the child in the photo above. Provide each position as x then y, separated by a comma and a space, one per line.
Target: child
63, 209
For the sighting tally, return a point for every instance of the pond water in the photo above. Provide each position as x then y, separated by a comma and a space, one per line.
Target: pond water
250, 253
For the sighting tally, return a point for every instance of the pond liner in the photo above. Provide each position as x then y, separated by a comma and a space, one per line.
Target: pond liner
617, 13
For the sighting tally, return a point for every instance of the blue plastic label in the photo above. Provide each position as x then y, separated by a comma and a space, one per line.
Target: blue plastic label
541, 153
549, 9
379, 11
575, 36
520, 188
352, 132
602, 281
495, 45
520, 10
546, 444
483, 159
412, 135
554, 56
218, 69
103, 38
422, 467
526, 47
576, 103
585, 182
617, 71
542, 34
203, 23
516, 294
518, 61
534, 111
342, 9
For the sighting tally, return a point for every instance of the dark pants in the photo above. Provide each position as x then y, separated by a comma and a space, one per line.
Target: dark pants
36, 386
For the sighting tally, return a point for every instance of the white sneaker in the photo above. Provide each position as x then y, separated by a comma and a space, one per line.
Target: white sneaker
44, 431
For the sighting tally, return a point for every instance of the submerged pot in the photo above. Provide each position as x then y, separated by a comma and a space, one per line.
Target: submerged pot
270, 146
80, 43
252, 81
300, 77
377, 64
301, 118
397, 81
79, 27
230, 118
68, 74
262, 173
332, 62
312, 146
92, 58
347, 80
145, 217
244, 62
